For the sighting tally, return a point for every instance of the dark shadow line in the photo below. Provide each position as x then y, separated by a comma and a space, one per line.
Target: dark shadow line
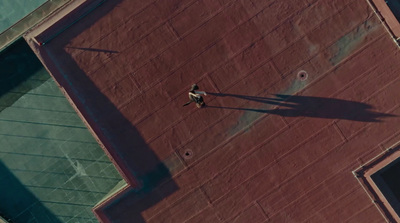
239, 109
56, 157
67, 204
76, 217
37, 109
63, 174
50, 139
74, 189
93, 49
44, 124
35, 94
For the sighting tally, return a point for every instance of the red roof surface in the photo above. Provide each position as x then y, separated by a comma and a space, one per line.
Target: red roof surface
272, 145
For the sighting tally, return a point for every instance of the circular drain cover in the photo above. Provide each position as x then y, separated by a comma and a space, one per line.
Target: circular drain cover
302, 75
188, 154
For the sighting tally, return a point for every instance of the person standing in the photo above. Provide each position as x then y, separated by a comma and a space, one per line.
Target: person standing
195, 96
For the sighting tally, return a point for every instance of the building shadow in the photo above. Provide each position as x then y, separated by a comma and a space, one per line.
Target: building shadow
18, 204
134, 159
17, 65
307, 106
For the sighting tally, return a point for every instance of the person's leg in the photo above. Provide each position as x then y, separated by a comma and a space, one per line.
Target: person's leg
200, 102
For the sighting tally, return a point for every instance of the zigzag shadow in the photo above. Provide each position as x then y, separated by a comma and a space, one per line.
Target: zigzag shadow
138, 164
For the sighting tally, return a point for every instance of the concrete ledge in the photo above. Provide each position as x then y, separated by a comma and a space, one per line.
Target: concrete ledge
37, 38
387, 17
376, 194
2, 220
58, 22
18, 29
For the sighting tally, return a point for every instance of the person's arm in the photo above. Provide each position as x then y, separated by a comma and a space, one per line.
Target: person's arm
201, 92
187, 103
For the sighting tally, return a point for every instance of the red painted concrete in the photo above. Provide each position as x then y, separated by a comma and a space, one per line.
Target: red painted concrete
269, 146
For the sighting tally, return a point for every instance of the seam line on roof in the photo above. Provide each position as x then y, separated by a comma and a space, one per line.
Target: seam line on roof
349, 193
274, 162
330, 177
340, 131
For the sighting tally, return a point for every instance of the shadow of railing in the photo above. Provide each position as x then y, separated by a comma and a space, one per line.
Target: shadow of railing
93, 49
137, 163
307, 106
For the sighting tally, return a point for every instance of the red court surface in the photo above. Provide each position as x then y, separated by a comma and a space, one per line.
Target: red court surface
300, 94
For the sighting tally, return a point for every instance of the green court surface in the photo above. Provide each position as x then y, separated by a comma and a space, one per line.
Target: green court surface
51, 167
18, 16
11, 11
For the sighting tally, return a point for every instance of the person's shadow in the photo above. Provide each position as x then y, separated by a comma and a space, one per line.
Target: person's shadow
306, 106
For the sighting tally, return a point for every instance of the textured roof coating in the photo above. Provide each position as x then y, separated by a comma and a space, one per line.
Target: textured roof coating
257, 153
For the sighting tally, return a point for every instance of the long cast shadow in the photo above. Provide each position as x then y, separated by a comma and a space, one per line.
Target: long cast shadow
307, 106
141, 167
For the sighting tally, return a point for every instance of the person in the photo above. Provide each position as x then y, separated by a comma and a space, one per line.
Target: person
195, 96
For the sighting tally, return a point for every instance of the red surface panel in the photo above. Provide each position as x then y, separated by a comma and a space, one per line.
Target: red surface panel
288, 197
338, 78
186, 208
197, 14
349, 204
272, 175
207, 215
369, 214
246, 141
252, 214
269, 146
382, 104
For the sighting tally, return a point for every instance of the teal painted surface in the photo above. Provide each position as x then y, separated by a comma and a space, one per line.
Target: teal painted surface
51, 167
350, 42
11, 11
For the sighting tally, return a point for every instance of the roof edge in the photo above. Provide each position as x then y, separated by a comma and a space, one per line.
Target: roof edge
43, 33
